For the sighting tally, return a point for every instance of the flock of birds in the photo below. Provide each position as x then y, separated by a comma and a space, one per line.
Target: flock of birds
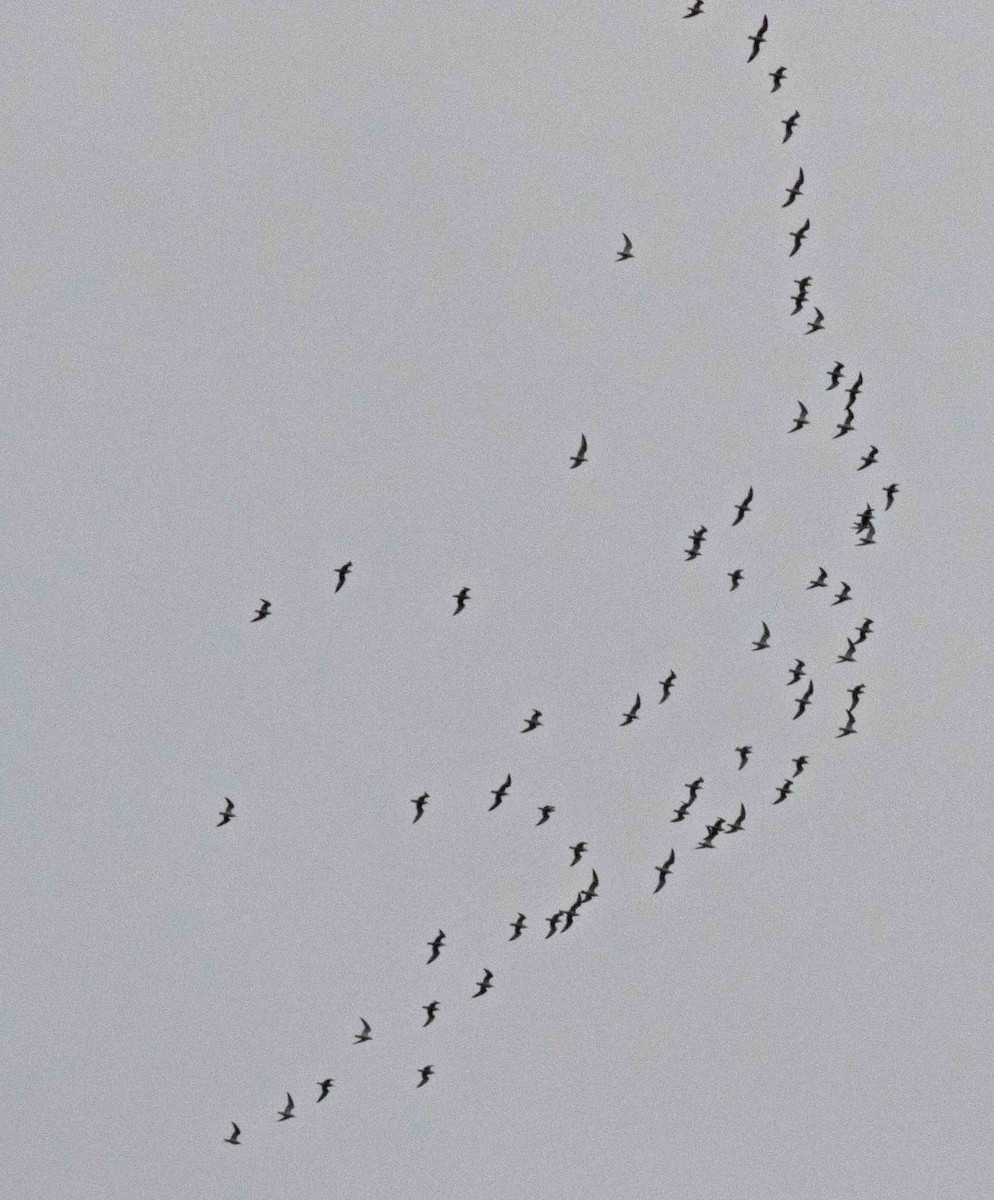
563, 918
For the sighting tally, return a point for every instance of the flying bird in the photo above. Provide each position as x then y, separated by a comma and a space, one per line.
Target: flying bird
799, 235
778, 77
817, 323
789, 125
571, 912
420, 803
532, 722
739, 821
850, 654
855, 390
743, 753
804, 701
743, 508
757, 39
236, 1133
325, 1085
286, 1113
627, 252
834, 375
801, 420
342, 573
436, 945
800, 299
868, 459
799, 764
430, 1009
227, 815
695, 9
546, 810
517, 926
764, 641
664, 870
632, 714
499, 793
681, 811
713, 831
460, 598
591, 891
426, 1073
484, 985
262, 612
864, 630
794, 191
667, 686
847, 426
849, 727
581, 454
796, 672
553, 922
695, 787
366, 1035
819, 581
869, 540
784, 791
890, 492
843, 595
578, 852
736, 577
855, 693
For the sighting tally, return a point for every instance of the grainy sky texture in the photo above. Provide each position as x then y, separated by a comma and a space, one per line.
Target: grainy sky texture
292, 284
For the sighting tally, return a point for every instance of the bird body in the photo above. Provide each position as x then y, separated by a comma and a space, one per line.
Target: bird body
484, 985
868, 459
784, 791
799, 764
736, 577
797, 672
817, 323
430, 1009
834, 375
342, 574
436, 945
325, 1085
460, 598
778, 77
842, 595
517, 926
420, 802
578, 852
546, 810
739, 821
820, 581
804, 701
743, 753
667, 686
799, 235
533, 721
236, 1133
890, 492
426, 1073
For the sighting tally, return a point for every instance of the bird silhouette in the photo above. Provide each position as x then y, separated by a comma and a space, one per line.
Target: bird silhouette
799, 235
739, 821
847, 426
460, 598
591, 891
681, 811
499, 793
869, 540
795, 190
778, 77
420, 803
789, 125
262, 612
517, 926
430, 1009
632, 714
286, 1113
764, 642
546, 810
553, 922
627, 252
227, 815
325, 1085
571, 912
784, 791
236, 1133
484, 985
426, 1073
664, 870
366, 1035
890, 491
713, 830
581, 455
743, 753
843, 595
801, 420
820, 581
804, 701
864, 630
736, 577
532, 722
695, 787
578, 852
342, 573
757, 39
743, 508
695, 9
855, 390
849, 727
800, 299
436, 945
834, 375
799, 764
667, 686
817, 323
868, 459
855, 693
850, 654
797, 672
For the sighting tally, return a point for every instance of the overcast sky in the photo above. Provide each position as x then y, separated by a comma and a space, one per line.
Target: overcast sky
287, 285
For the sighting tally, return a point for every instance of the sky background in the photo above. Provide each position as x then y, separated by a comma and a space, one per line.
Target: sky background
292, 284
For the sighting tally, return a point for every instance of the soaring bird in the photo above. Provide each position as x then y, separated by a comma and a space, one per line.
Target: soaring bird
664, 870
591, 891
695, 9
817, 323
236, 1133
553, 922
546, 810
430, 1009
843, 595
847, 426
796, 672
436, 945
757, 39
800, 299
739, 821
713, 831
804, 701
834, 375
736, 577
517, 926
801, 420
855, 390
627, 252
695, 553
764, 641
778, 77
286, 1113
868, 459
799, 235
743, 508
794, 191
342, 573
571, 912
667, 686
784, 791
695, 787
820, 581
366, 1035
532, 722
789, 125
325, 1085
632, 714
743, 752
581, 455
864, 630
850, 654
849, 727
426, 1073
855, 693
578, 852
890, 491
869, 540
262, 612
227, 815
460, 598
499, 793
681, 811
420, 803
484, 985
799, 764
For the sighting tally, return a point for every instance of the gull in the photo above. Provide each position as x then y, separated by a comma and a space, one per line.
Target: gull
517, 926
743, 508
460, 598
366, 1035
890, 491
695, 553
820, 581
799, 301
261, 613
855, 693
681, 811
627, 252
546, 810
799, 235
286, 1113
553, 922
420, 803
436, 945
594, 883
736, 577
695, 787
571, 912
664, 870
834, 375
667, 686
847, 426
342, 572
856, 388
581, 454
532, 722
868, 459
796, 672
236, 1133
484, 985
713, 831
739, 821
794, 191
817, 323
864, 630
801, 420
430, 1009
325, 1085
778, 77
499, 793
578, 852
632, 714
789, 125
784, 791
843, 595
227, 815
695, 9
743, 753
849, 727
865, 518
850, 654
804, 701
869, 540
799, 764
764, 641
426, 1073
757, 39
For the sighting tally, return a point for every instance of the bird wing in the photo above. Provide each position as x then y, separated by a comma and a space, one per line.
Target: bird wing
583, 444
365, 1025
765, 25
804, 411
671, 860
628, 241
766, 630
638, 703
800, 177
748, 499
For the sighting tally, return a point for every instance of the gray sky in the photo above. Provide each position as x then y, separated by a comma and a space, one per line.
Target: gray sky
290, 285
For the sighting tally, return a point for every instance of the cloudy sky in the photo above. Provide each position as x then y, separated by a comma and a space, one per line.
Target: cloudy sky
290, 285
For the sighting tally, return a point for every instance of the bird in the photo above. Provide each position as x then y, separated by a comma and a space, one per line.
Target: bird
426, 1073
855, 390
849, 727
713, 831
420, 803
796, 672
227, 815
286, 1113
691, 554
868, 459
460, 598
546, 810
342, 573
499, 793
865, 518
632, 714
799, 764
817, 323
578, 852
847, 426
517, 926
627, 252
757, 39
869, 540
834, 375
695, 9
739, 821
236, 1133
804, 701
262, 612
664, 870
864, 630
855, 693
681, 811
571, 912
801, 420
764, 641
553, 922
850, 654
325, 1085
800, 299
366, 1035
784, 790
843, 595
799, 235
743, 508
667, 686
743, 753
430, 1009
736, 577
890, 491
778, 77
484, 985
795, 190
591, 891
789, 125
532, 722
581, 455
819, 581
695, 787
436, 945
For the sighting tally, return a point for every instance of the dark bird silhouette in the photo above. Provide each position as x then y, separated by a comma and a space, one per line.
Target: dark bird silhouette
627, 252
847, 426
667, 686
425, 1073
804, 701
758, 39
764, 641
632, 714
420, 804
743, 752
855, 693
236, 1133
799, 764
843, 595
571, 912
681, 811
484, 985
778, 77
799, 235
834, 375
790, 124
262, 612
694, 553
578, 852
739, 821
436, 945
695, 787
517, 926
591, 891
430, 1009
286, 1113
890, 491
325, 1085
868, 459
784, 791
736, 577
499, 793
366, 1035
801, 420
581, 455
869, 540
864, 518
855, 390
743, 508
342, 573
794, 191
695, 9
821, 580
800, 298
460, 598
665, 870
864, 630
797, 672
713, 830
532, 722
850, 654
849, 727
546, 810
553, 922
227, 815
817, 323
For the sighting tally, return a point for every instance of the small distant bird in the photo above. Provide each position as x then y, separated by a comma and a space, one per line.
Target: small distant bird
849, 727
850, 654
800, 299
695, 9
578, 852
799, 764
736, 577
795, 190
764, 641
864, 630
817, 323
667, 686
430, 1009
778, 77
366, 1035
325, 1085
784, 791
691, 554
532, 722
627, 252
799, 235
499, 793
743, 508
664, 870
436, 945
517, 926
426, 1073
801, 420
890, 491
681, 811
757, 39
571, 912
804, 701
236, 1133
261, 613
713, 831
484, 985
855, 693
868, 459
286, 1113
743, 752
847, 426
843, 595
869, 540
420, 804
739, 821
695, 787
834, 375
553, 922
342, 573
546, 810
797, 672
789, 125
855, 390
819, 581
632, 714
227, 815
460, 598
591, 891
581, 455
865, 517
